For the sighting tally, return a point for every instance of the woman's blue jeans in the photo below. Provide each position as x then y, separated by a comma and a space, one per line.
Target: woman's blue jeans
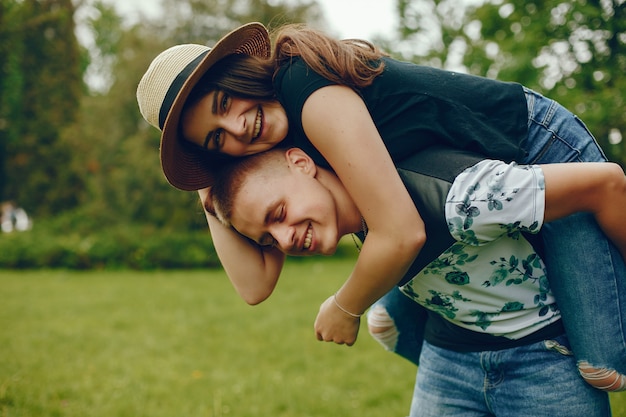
531, 380
586, 272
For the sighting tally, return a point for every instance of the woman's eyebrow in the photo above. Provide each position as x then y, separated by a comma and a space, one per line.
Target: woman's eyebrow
214, 106
211, 134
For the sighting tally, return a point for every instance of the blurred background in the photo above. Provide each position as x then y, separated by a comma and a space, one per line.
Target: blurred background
79, 161
81, 189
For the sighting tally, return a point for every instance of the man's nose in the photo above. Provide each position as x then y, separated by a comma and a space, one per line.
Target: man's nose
284, 236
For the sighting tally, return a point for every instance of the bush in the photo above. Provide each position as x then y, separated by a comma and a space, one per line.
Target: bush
54, 245
80, 240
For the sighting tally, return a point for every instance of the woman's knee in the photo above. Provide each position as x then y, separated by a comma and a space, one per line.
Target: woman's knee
382, 327
602, 378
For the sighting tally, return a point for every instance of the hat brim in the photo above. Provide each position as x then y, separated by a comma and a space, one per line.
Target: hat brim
183, 167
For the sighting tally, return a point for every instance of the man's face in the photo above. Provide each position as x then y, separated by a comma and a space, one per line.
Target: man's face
292, 211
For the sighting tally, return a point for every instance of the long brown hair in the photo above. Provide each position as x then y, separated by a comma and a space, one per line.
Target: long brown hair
350, 62
239, 75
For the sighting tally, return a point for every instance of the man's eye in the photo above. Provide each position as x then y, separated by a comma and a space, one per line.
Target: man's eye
280, 214
267, 241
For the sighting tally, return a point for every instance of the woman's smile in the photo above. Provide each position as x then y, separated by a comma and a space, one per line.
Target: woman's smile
258, 124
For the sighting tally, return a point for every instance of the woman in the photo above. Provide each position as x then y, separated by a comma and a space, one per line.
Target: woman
357, 111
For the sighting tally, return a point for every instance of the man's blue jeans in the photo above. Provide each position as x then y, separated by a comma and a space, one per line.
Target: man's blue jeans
528, 381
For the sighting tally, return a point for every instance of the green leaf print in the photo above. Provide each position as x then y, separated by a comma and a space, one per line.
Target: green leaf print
444, 303
483, 320
513, 306
457, 278
493, 204
455, 225
409, 291
514, 230
447, 263
498, 276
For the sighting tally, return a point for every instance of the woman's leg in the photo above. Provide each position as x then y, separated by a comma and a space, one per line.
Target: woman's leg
397, 323
589, 292
586, 272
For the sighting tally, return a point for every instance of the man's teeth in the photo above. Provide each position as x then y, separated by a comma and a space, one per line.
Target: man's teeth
257, 124
308, 238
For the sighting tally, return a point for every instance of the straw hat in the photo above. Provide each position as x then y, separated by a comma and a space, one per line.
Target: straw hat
165, 86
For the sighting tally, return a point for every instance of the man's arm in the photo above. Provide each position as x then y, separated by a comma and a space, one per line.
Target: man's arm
594, 187
253, 271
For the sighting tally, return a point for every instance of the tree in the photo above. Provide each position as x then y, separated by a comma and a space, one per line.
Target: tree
573, 51
41, 87
579, 51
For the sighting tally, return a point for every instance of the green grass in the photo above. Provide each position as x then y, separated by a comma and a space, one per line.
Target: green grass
175, 344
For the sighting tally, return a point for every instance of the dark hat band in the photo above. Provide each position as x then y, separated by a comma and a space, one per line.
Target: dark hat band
175, 87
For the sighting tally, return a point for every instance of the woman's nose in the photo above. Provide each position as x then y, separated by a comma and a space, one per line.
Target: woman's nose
236, 126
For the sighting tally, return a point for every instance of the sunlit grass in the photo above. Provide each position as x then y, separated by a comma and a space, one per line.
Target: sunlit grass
184, 344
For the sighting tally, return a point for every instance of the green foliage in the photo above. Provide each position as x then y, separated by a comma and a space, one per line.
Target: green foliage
205, 21
10, 79
572, 51
78, 240
40, 97
102, 53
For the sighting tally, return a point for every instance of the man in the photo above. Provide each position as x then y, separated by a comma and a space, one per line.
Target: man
483, 282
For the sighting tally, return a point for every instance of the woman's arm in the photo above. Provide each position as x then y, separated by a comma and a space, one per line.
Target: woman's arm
339, 125
598, 188
252, 270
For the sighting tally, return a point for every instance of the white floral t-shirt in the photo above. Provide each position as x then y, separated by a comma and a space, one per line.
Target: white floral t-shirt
491, 280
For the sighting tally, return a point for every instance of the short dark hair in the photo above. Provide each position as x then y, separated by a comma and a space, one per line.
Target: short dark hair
231, 177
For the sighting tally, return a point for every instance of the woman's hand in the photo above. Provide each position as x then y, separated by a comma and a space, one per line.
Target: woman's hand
334, 325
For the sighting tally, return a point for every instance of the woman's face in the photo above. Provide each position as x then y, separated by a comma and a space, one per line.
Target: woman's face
292, 212
234, 126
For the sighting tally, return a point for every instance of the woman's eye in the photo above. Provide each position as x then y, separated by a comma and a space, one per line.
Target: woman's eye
217, 139
225, 99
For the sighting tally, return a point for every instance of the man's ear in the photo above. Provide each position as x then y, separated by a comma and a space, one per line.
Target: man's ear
301, 161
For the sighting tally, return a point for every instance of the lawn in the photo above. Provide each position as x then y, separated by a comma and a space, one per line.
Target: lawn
183, 344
